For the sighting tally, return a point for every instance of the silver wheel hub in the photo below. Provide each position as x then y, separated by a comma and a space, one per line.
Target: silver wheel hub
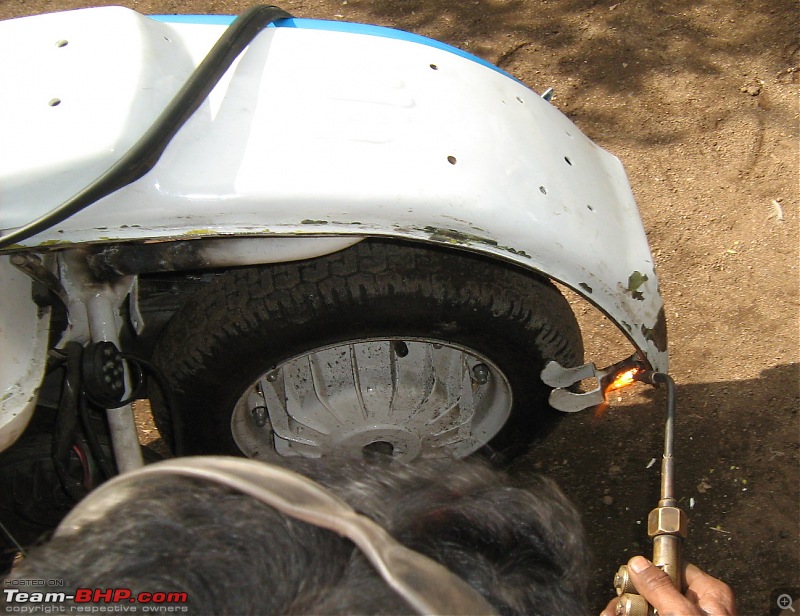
406, 398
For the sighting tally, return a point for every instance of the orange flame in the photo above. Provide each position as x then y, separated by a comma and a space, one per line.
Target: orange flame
623, 379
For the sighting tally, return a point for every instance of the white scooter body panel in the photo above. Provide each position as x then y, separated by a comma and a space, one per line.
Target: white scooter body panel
23, 340
318, 132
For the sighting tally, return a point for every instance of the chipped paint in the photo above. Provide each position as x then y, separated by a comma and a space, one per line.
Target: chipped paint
635, 281
451, 236
200, 232
55, 243
658, 333
457, 237
585, 287
309, 221
514, 251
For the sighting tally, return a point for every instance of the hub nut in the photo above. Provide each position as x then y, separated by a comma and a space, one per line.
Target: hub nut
667, 521
260, 416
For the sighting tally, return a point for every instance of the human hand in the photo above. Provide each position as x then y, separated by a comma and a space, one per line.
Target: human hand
705, 595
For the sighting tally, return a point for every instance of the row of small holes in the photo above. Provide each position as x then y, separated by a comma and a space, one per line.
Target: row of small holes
55, 102
452, 159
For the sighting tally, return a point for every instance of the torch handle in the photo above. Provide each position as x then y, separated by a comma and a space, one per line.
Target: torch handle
666, 524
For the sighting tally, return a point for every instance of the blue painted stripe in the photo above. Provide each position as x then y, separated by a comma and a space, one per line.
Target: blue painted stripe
336, 26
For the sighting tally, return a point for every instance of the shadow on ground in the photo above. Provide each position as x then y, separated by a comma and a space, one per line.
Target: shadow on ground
737, 460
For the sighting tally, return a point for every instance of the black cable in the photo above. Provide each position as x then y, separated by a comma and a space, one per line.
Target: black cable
106, 468
67, 422
146, 152
8, 534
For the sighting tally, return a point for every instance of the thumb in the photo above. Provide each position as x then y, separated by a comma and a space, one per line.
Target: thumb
657, 587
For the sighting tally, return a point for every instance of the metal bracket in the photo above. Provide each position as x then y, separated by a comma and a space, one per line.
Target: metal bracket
561, 399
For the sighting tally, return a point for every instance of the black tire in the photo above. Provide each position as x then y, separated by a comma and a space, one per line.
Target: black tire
33, 501
249, 320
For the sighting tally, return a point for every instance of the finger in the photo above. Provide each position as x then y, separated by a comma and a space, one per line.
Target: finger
713, 596
611, 608
692, 575
657, 587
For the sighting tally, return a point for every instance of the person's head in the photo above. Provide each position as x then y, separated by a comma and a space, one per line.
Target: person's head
522, 549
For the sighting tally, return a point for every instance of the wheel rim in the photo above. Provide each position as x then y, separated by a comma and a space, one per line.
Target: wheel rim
403, 397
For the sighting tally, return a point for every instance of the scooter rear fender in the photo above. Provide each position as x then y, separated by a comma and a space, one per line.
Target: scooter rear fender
320, 131
23, 341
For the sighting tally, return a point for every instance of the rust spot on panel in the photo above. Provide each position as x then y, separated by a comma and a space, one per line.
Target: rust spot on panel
658, 333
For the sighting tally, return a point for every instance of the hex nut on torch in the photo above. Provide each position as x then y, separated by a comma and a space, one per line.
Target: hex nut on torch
667, 521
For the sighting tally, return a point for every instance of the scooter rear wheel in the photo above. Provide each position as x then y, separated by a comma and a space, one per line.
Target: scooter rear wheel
401, 349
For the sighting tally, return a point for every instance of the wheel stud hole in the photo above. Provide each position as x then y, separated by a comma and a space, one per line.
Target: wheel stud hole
400, 348
378, 449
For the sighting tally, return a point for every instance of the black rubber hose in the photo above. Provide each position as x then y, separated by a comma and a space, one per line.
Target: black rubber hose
66, 425
145, 153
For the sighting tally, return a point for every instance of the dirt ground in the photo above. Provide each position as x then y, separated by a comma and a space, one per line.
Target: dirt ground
699, 99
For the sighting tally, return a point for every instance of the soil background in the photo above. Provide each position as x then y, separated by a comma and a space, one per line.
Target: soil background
699, 99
